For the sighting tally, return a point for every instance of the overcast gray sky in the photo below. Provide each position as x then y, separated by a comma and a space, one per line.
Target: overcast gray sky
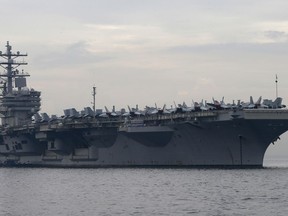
149, 51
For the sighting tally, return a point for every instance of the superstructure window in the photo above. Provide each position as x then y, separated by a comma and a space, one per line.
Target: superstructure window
19, 146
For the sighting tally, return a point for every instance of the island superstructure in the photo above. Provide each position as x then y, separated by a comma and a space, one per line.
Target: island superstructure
210, 134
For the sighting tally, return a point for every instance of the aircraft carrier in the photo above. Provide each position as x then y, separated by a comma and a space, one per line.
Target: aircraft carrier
210, 134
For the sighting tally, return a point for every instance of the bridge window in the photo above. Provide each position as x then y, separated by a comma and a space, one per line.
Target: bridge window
19, 146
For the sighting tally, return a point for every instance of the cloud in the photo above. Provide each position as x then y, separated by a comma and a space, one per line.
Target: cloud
182, 93
277, 36
278, 47
108, 27
204, 83
70, 55
116, 38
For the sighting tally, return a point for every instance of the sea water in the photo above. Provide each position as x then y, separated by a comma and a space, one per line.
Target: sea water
143, 191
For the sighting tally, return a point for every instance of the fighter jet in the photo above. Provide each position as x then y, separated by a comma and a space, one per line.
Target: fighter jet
274, 104
251, 104
135, 111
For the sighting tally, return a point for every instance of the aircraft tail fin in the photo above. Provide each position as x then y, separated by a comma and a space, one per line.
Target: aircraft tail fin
278, 102
251, 100
129, 108
258, 102
175, 104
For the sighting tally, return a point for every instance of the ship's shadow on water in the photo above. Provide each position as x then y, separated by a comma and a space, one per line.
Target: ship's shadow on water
177, 167
275, 164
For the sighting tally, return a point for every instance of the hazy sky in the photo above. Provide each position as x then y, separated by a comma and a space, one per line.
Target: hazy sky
149, 51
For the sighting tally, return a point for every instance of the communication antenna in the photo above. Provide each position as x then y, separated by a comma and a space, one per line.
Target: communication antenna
276, 82
94, 94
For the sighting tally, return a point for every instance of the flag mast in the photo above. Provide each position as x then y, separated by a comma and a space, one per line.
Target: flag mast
94, 94
276, 82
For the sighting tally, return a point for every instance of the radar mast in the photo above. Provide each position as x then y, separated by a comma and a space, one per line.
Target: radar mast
18, 103
12, 73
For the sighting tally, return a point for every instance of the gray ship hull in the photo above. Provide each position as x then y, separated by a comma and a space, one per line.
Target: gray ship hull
185, 136
225, 141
